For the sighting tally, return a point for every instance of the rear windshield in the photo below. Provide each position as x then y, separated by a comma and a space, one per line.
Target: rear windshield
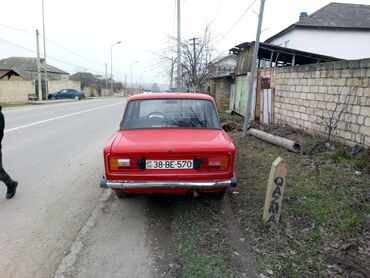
170, 113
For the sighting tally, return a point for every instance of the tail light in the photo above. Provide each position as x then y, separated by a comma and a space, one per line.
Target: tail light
216, 163
122, 163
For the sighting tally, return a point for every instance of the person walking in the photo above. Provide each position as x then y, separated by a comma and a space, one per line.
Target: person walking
4, 177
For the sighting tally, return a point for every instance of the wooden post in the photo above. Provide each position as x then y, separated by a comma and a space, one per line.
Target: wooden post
275, 191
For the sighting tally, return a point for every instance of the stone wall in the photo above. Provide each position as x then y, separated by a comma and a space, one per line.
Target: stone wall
90, 91
15, 91
106, 92
311, 97
58, 85
222, 87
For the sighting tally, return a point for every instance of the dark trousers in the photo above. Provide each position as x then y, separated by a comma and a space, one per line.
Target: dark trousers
4, 177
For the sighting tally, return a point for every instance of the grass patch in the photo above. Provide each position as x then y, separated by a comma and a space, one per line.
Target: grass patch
199, 237
325, 204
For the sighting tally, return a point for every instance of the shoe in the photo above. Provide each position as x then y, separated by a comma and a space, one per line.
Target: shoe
11, 190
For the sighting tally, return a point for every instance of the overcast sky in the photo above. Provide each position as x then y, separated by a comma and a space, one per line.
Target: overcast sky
80, 33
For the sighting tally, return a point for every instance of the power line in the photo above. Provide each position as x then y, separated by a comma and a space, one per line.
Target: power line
17, 29
50, 57
73, 53
56, 44
240, 18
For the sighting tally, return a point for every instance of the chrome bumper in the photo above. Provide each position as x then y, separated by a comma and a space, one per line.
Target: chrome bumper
122, 184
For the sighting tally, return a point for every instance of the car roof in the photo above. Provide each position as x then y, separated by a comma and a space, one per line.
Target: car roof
171, 95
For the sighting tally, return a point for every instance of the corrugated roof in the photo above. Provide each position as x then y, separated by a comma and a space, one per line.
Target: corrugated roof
267, 51
334, 16
26, 64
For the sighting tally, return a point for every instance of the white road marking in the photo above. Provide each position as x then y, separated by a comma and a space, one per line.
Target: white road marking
60, 117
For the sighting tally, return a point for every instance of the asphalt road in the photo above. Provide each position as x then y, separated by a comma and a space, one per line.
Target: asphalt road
60, 223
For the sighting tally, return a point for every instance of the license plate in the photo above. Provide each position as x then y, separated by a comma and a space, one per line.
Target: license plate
169, 164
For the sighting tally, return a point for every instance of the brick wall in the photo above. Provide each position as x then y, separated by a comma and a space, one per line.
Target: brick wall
309, 96
15, 91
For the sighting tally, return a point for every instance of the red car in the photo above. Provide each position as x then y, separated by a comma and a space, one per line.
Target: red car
169, 143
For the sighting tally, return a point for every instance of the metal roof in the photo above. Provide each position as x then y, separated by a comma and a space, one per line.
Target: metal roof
284, 55
338, 16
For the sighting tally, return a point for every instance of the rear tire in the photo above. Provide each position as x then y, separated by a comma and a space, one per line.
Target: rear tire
122, 194
53, 98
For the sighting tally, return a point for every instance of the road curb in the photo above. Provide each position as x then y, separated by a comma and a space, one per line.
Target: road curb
66, 266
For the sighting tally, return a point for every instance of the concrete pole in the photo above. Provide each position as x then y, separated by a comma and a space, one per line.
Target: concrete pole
38, 66
132, 85
195, 64
106, 75
111, 66
45, 69
253, 71
171, 77
111, 69
179, 70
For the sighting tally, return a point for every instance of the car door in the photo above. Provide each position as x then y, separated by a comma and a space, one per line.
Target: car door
70, 93
62, 94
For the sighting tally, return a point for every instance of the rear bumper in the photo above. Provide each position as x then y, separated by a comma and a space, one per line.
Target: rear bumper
127, 184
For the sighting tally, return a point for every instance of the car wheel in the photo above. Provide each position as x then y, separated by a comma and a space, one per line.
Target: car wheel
77, 98
122, 194
53, 98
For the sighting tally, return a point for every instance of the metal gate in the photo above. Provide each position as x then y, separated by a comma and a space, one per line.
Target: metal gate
232, 98
267, 100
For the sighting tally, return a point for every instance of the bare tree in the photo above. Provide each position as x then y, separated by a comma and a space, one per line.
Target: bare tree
338, 102
196, 57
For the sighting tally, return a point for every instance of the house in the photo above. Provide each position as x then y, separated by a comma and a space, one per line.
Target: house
223, 66
91, 84
25, 69
221, 80
269, 56
337, 29
19, 80
321, 94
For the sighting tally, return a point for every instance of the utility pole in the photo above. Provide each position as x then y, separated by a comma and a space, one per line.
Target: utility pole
45, 69
111, 66
253, 70
106, 75
171, 77
38, 66
179, 69
195, 63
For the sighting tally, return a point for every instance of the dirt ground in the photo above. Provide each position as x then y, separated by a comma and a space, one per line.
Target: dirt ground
324, 225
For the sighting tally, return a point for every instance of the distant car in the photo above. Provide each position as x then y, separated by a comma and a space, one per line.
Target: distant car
67, 93
169, 143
